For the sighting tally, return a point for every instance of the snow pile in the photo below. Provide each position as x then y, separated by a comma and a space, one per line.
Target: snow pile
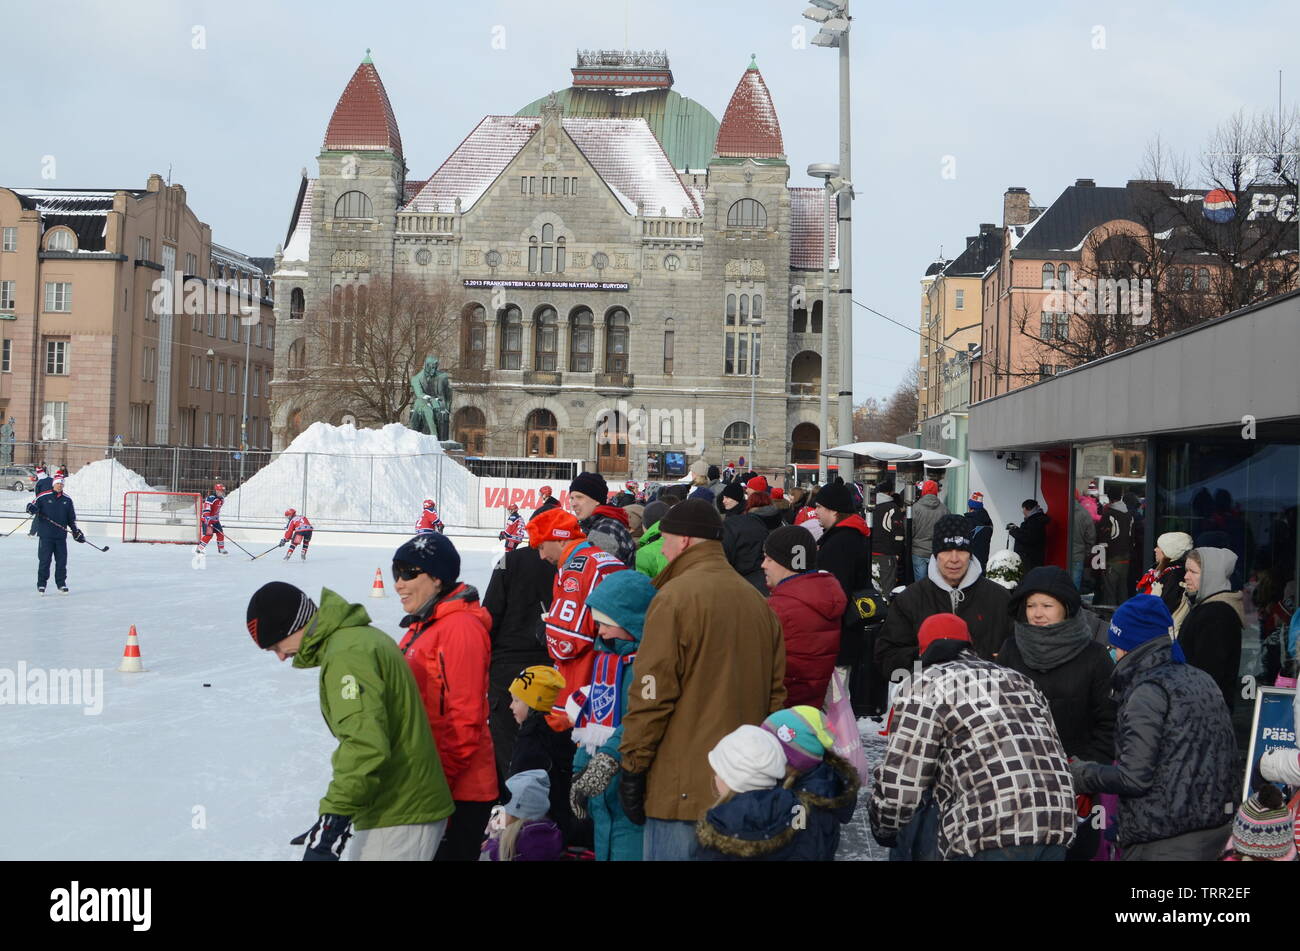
98, 487
344, 474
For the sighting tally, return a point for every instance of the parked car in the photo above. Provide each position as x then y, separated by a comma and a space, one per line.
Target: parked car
18, 478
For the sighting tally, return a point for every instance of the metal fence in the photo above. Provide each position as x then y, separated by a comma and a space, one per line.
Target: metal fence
377, 492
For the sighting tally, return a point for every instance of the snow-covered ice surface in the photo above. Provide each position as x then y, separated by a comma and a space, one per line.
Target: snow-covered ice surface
856, 843
170, 769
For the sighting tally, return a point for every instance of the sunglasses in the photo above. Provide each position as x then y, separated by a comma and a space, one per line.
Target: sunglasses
406, 572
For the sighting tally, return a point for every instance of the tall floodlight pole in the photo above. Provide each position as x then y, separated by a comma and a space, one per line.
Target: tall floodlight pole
754, 343
825, 171
833, 15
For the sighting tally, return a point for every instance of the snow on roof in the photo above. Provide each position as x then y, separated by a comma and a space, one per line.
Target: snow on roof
298, 247
224, 255
807, 211
623, 152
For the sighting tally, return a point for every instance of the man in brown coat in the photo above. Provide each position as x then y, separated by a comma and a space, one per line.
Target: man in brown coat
712, 659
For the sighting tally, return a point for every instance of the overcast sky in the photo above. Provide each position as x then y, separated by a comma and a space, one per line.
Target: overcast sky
1015, 92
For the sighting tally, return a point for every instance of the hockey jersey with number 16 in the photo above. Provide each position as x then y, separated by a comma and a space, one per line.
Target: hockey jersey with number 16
570, 628
298, 523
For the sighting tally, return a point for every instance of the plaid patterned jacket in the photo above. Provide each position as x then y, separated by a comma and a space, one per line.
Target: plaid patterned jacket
987, 732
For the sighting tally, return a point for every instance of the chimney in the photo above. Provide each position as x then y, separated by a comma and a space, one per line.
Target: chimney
155, 183
987, 227
1084, 183
1015, 207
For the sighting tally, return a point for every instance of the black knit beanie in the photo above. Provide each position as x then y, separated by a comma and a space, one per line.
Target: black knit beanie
792, 547
836, 497
735, 491
592, 485
695, 518
951, 533
275, 611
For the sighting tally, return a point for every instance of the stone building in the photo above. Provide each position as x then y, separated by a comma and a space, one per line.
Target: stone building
612, 305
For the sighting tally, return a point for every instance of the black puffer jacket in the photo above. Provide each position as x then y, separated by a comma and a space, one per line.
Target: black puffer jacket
982, 604
981, 535
1078, 693
845, 551
1031, 539
1174, 746
518, 594
743, 535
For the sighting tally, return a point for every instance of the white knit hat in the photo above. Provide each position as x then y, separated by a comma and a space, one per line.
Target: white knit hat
1174, 544
748, 758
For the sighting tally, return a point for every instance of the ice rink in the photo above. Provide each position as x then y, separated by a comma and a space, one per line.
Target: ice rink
217, 750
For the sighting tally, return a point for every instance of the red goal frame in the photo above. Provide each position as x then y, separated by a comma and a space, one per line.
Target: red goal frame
131, 518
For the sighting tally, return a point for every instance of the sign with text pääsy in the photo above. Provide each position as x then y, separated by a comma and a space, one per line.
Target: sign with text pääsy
1273, 726
549, 285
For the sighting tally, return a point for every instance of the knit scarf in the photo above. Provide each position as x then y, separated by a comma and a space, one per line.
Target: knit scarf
1050, 646
597, 709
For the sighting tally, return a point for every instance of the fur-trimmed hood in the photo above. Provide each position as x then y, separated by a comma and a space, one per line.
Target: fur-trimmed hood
832, 786
752, 825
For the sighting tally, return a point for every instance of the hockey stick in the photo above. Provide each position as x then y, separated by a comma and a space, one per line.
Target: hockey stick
267, 552
241, 547
16, 527
67, 531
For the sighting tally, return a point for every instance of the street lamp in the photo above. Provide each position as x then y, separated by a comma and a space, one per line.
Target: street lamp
833, 16
754, 343
243, 417
825, 171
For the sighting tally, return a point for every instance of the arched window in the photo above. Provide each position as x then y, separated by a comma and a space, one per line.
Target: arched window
817, 317
731, 310
805, 441
756, 304
336, 301
541, 436
1063, 275
1202, 278
799, 313
736, 436
1187, 279
512, 338
546, 255
806, 373
362, 291
349, 301
1049, 275
473, 339
470, 429
616, 333
60, 239
747, 213
581, 340
352, 205
611, 442
546, 333
296, 304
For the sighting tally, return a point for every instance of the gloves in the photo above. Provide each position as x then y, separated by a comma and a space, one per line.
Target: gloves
31, 508
631, 796
78, 535
592, 781
501, 536
325, 840
283, 542
1011, 526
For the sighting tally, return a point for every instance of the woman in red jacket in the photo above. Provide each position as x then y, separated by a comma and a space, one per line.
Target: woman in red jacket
448, 650
810, 605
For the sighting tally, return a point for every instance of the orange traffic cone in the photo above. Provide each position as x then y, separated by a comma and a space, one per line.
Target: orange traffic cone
377, 589
131, 656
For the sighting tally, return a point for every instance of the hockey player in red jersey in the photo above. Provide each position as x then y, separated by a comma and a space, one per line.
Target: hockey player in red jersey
298, 529
429, 521
210, 520
570, 628
514, 534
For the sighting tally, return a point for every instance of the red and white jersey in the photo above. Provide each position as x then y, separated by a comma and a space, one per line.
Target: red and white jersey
298, 523
516, 533
570, 628
428, 523
212, 508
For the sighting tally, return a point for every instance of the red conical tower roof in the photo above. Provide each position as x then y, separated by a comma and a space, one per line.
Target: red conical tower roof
363, 118
750, 128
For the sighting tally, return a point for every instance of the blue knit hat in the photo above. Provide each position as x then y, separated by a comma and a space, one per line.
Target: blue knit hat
530, 794
435, 554
1141, 618
803, 733
623, 597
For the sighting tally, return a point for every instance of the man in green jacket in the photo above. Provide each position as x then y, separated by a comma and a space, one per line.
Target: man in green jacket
650, 558
388, 791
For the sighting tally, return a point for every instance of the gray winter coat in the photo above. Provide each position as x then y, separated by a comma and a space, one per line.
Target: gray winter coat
926, 512
1174, 747
1083, 535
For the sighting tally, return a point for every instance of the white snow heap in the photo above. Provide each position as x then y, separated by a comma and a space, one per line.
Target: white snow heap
344, 474
99, 486
1004, 567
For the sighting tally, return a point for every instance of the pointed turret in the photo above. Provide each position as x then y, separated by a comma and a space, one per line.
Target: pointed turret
750, 128
363, 120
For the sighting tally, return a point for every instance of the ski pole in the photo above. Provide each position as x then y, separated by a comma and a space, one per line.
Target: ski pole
16, 527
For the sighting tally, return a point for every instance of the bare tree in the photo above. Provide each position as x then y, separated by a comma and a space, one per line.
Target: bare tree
363, 351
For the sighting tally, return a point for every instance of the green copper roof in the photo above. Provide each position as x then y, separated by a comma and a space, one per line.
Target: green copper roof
685, 128
753, 61
367, 59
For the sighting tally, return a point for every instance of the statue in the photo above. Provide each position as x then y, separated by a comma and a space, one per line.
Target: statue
7, 443
431, 409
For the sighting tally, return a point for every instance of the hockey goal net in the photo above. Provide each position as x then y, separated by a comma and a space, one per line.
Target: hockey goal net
166, 518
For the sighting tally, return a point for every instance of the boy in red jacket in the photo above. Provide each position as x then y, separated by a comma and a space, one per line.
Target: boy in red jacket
448, 650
